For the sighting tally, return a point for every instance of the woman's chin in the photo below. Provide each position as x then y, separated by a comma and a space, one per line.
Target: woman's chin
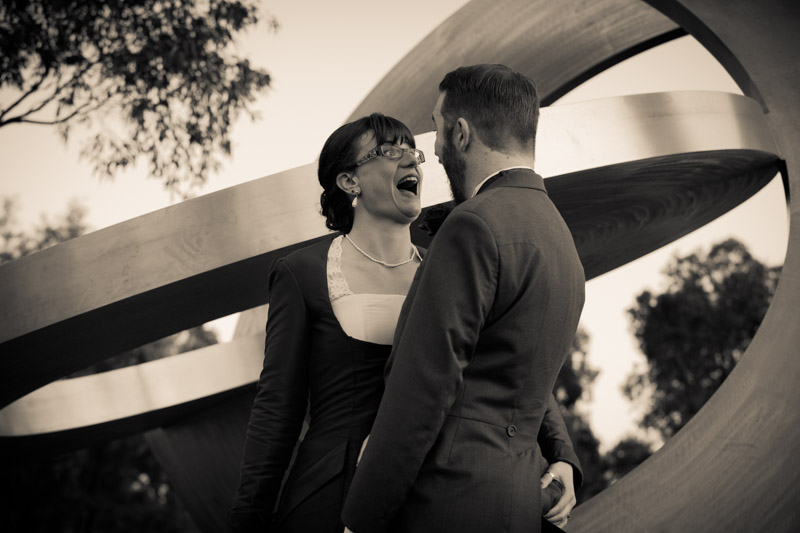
412, 214
408, 209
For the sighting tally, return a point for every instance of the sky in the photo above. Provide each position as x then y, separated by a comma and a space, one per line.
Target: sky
324, 59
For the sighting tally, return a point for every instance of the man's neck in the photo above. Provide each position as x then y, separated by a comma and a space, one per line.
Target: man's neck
484, 162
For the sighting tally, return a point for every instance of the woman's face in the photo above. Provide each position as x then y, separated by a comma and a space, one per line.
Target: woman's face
389, 188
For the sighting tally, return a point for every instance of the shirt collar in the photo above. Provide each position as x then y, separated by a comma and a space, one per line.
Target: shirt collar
481, 184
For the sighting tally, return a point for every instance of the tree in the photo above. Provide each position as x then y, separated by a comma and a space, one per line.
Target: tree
16, 243
161, 69
694, 332
576, 375
115, 486
574, 383
624, 457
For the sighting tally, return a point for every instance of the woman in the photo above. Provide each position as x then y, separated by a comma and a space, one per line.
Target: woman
332, 314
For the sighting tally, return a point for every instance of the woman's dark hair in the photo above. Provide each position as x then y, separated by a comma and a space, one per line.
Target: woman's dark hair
339, 155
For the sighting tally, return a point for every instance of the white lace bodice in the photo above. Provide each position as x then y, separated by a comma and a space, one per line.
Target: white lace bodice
337, 285
366, 317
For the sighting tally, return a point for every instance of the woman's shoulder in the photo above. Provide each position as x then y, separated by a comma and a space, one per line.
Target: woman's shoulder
317, 251
306, 260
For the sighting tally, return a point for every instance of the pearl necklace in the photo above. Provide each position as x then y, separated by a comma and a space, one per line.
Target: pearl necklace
414, 255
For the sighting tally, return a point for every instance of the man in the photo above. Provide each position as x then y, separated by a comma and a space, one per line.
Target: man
483, 333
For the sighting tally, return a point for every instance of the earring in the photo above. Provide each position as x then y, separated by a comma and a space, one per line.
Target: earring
355, 199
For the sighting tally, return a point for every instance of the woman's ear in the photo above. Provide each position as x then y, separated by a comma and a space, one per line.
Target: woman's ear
462, 134
348, 182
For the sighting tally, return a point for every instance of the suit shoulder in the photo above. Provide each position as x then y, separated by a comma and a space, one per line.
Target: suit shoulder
472, 213
493, 210
467, 231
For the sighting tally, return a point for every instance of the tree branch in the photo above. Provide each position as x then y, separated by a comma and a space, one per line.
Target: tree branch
80, 110
72, 81
29, 92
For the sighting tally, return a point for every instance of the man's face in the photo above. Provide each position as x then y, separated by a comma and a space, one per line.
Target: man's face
449, 155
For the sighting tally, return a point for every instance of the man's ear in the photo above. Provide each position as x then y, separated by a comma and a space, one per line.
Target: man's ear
462, 134
348, 182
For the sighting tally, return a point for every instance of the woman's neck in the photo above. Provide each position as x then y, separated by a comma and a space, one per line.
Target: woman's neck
384, 240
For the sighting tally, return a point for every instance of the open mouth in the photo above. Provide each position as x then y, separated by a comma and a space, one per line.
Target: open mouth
409, 184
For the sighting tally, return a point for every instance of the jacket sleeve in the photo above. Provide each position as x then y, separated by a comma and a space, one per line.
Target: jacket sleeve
446, 308
279, 406
555, 442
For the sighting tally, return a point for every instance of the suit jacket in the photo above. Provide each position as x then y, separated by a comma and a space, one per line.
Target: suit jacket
482, 335
308, 359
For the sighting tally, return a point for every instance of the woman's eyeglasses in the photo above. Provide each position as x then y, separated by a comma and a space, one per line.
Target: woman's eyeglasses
393, 152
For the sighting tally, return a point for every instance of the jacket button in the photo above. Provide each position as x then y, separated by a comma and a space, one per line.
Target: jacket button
511, 430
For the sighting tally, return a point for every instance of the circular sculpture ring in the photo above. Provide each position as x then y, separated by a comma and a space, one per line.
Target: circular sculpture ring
733, 467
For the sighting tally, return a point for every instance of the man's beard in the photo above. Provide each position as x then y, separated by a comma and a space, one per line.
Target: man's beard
455, 167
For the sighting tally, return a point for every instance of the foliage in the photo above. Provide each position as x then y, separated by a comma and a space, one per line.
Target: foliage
573, 383
116, 486
16, 243
694, 332
587, 447
576, 376
624, 457
161, 69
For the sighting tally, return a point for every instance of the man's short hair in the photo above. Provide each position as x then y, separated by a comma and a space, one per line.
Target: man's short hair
502, 104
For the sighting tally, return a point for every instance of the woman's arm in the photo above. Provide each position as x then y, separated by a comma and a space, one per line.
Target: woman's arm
279, 406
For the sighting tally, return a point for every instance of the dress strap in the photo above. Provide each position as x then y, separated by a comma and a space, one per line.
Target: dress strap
337, 284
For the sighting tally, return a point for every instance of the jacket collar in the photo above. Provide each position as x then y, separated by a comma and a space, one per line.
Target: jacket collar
513, 177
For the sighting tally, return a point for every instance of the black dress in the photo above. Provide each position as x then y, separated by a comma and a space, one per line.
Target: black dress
309, 363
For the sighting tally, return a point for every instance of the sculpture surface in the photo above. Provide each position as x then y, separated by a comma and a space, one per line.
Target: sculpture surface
732, 467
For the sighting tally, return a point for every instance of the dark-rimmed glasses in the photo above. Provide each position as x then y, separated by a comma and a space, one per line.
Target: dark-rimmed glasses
393, 152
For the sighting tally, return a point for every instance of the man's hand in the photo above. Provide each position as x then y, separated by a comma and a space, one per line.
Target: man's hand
561, 471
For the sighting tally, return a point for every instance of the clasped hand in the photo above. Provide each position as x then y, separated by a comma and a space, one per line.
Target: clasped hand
560, 513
